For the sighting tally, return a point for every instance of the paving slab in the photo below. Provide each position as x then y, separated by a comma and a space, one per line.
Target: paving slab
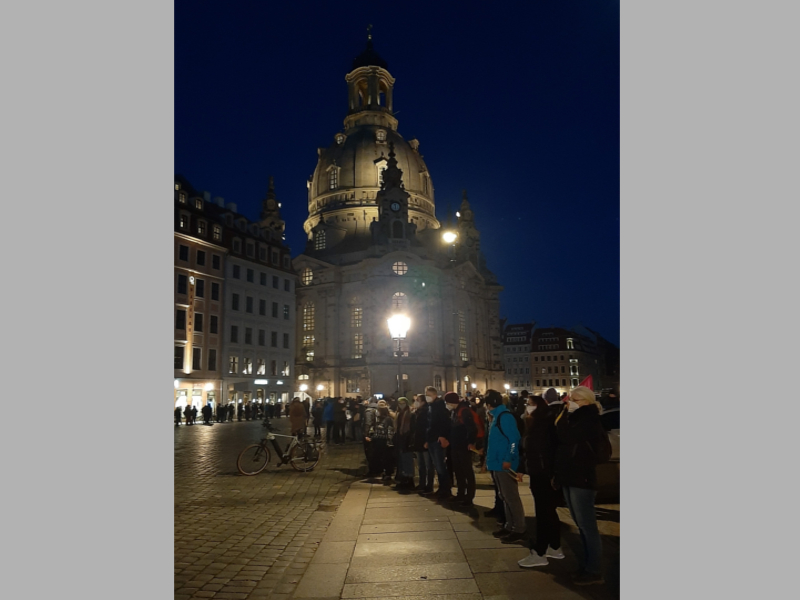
422, 518
494, 560
372, 574
322, 580
413, 536
476, 596
334, 552
401, 527
399, 548
410, 588
524, 586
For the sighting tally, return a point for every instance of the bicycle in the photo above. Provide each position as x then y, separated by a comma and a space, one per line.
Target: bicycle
301, 454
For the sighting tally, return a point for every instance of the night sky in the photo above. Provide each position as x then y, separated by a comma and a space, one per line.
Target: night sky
518, 103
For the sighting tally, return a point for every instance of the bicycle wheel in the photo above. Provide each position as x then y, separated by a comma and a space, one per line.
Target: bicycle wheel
304, 457
253, 459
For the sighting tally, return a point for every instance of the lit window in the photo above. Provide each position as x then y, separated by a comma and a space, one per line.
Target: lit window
358, 345
233, 364
400, 268
177, 186
217, 232
308, 347
306, 276
303, 377
308, 317
182, 198
380, 135
285, 372
198, 203
286, 313
399, 300
462, 347
184, 222
352, 386
262, 367
201, 227
247, 363
356, 316
319, 240
334, 178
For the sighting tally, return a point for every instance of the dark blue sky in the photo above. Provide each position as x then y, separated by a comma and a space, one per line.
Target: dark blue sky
518, 103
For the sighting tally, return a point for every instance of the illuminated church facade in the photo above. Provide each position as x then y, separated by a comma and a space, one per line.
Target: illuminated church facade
376, 249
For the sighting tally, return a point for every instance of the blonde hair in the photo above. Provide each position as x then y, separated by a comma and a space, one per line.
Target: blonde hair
584, 394
430, 388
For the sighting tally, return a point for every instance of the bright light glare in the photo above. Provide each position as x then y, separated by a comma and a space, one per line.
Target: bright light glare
507, 386
209, 386
303, 387
176, 384
320, 387
449, 237
398, 326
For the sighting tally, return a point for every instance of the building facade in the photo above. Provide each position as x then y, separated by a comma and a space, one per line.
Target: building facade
235, 302
199, 289
561, 359
376, 249
517, 356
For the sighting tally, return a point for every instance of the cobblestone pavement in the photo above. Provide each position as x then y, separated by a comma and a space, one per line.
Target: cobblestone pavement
240, 537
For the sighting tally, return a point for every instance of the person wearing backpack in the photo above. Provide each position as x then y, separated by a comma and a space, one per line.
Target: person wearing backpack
539, 442
463, 434
582, 445
502, 460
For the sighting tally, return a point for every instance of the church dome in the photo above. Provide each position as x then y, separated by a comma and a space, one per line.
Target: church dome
369, 58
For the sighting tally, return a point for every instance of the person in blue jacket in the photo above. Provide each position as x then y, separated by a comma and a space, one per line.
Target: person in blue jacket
502, 457
327, 416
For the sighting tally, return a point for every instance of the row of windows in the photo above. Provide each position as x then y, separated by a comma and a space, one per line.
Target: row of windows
260, 366
199, 287
573, 370
262, 337
262, 306
544, 382
548, 358
200, 257
201, 228
519, 371
180, 322
307, 274
197, 358
250, 275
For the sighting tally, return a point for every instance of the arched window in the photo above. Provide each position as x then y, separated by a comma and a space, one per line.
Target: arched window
437, 382
306, 276
380, 135
399, 300
333, 178
319, 240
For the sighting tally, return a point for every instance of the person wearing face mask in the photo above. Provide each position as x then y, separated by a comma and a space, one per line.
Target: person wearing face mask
419, 425
502, 457
539, 442
463, 434
437, 440
370, 416
579, 433
381, 435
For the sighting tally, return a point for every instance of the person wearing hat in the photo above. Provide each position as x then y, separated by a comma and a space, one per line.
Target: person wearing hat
381, 435
403, 443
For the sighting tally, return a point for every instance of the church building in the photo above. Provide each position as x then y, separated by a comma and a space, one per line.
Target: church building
376, 250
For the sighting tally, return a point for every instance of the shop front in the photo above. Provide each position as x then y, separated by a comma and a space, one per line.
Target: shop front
196, 393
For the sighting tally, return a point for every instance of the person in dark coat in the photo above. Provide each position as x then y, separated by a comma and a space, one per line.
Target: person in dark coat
316, 414
339, 421
580, 434
437, 440
231, 411
247, 412
207, 411
177, 416
463, 435
297, 417
187, 412
240, 411
370, 416
381, 435
539, 443
194, 414
404, 446
420, 429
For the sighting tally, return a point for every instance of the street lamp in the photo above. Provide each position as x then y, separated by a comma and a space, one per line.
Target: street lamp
508, 387
320, 387
303, 387
449, 237
398, 329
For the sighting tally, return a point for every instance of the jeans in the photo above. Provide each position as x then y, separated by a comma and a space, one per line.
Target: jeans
425, 466
548, 527
580, 502
437, 456
508, 489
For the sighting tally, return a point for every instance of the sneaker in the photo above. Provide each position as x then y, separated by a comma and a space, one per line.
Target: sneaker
501, 533
513, 538
586, 578
533, 560
554, 553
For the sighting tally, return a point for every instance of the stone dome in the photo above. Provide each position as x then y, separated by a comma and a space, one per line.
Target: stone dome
348, 173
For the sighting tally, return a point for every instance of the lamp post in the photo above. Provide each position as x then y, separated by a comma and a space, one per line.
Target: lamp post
398, 329
320, 387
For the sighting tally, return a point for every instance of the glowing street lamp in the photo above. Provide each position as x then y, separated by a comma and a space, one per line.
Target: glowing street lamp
449, 237
508, 387
303, 387
398, 329
320, 387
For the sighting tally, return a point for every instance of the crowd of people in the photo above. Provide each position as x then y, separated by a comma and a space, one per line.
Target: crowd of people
244, 411
431, 444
